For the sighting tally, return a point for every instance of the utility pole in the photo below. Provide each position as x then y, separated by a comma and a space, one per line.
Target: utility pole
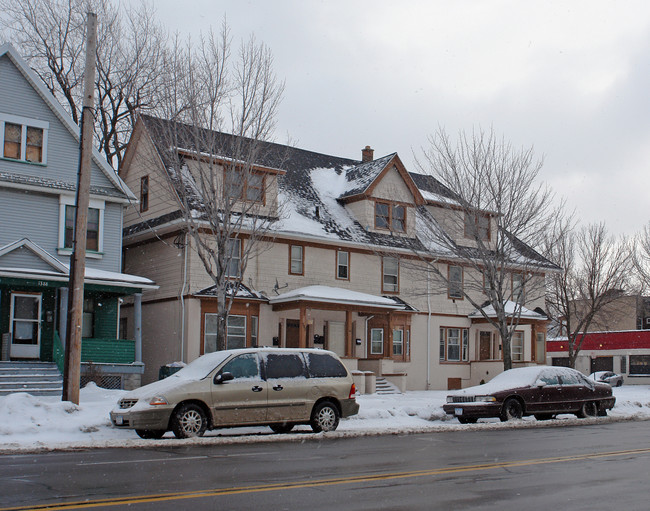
72, 367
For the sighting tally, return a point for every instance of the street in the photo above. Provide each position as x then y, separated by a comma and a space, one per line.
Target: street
586, 467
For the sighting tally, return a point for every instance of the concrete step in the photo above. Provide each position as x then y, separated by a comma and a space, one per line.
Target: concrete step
383, 386
36, 378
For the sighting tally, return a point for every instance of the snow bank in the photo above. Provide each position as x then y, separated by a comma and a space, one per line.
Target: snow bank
45, 423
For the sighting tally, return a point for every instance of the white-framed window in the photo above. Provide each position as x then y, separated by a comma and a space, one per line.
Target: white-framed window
235, 332
517, 346
342, 265
94, 230
455, 283
296, 259
390, 277
233, 257
376, 341
398, 342
23, 139
454, 344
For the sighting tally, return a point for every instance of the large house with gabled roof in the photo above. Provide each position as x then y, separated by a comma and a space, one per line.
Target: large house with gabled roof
39, 155
339, 270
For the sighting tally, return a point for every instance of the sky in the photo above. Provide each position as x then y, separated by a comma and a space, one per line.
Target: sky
568, 78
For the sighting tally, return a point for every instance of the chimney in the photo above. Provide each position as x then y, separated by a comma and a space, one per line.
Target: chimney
367, 154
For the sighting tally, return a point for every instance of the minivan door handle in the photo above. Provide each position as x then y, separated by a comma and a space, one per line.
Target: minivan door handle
278, 387
257, 388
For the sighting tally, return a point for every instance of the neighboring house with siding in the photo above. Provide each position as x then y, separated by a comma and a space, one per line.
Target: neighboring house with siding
39, 155
338, 269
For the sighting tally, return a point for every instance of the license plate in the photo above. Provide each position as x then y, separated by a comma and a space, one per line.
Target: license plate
458, 411
119, 420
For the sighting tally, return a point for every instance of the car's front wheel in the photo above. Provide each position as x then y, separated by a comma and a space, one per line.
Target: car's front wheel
588, 410
324, 417
148, 434
189, 420
512, 409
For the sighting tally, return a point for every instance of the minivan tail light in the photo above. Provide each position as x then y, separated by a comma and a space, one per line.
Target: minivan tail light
353, 391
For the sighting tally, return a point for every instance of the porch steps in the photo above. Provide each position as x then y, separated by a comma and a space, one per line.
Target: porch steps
36, 378
383, 386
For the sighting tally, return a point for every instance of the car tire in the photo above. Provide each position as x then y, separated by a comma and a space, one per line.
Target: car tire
588, 409
619, 383
467, 420
512, 409
281, 428
189, 420
324, 417
544, 416
148, 434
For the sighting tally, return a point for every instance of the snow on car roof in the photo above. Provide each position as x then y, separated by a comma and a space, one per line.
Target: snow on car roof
514, 378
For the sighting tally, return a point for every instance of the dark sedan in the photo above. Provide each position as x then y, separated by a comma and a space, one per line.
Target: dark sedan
541, 391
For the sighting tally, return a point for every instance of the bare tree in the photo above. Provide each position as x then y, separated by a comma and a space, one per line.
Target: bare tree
131, 51
595, 274
490, 212
224, 183
642, 259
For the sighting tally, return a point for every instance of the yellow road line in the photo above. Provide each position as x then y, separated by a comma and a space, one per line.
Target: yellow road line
318, 482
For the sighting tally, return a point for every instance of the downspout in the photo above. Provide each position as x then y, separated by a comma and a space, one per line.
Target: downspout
182, 298
428, 332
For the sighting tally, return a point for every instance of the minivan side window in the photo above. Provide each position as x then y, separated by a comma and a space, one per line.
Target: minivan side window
243, 366
286, 365
322, 365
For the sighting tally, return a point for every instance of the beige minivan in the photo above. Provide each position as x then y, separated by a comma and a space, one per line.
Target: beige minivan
278, 387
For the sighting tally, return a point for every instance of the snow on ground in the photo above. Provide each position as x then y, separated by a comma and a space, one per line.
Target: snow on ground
29, 423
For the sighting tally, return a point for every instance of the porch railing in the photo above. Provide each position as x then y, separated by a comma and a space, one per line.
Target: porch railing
98, 350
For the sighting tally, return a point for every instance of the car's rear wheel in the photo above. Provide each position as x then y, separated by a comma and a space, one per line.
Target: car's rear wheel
467, 420
281, 428
588, 410
619, 383
150, 433
189, 420
324, 417
512, 409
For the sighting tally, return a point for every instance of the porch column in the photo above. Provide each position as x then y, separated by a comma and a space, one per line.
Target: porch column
348, 334
137, 318
63, 314
302, 330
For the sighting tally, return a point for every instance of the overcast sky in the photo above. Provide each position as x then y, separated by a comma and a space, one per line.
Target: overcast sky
569, 78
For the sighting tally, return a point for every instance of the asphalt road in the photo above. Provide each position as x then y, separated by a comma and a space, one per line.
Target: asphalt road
592, 466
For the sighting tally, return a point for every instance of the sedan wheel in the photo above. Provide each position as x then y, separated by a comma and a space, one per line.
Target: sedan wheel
512, 409
189, 420
588, 410
324, 417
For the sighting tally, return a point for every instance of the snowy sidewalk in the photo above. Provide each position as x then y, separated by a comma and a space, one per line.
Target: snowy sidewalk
29, 423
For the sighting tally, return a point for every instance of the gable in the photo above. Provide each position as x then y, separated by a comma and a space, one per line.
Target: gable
23, 258
391, 186
24, 96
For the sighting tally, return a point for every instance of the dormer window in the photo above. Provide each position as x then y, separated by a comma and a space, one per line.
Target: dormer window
390, 216
477, 226
244, 185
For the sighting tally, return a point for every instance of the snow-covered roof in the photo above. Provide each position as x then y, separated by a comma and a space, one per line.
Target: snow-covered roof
314, 189
60, 271
336, 295
242, 292
511, 308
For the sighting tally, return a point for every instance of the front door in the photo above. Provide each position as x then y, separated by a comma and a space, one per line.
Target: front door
293, 333
336, 337
25, 325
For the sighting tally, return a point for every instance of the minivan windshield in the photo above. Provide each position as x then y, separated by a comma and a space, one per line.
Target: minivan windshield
202, 366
